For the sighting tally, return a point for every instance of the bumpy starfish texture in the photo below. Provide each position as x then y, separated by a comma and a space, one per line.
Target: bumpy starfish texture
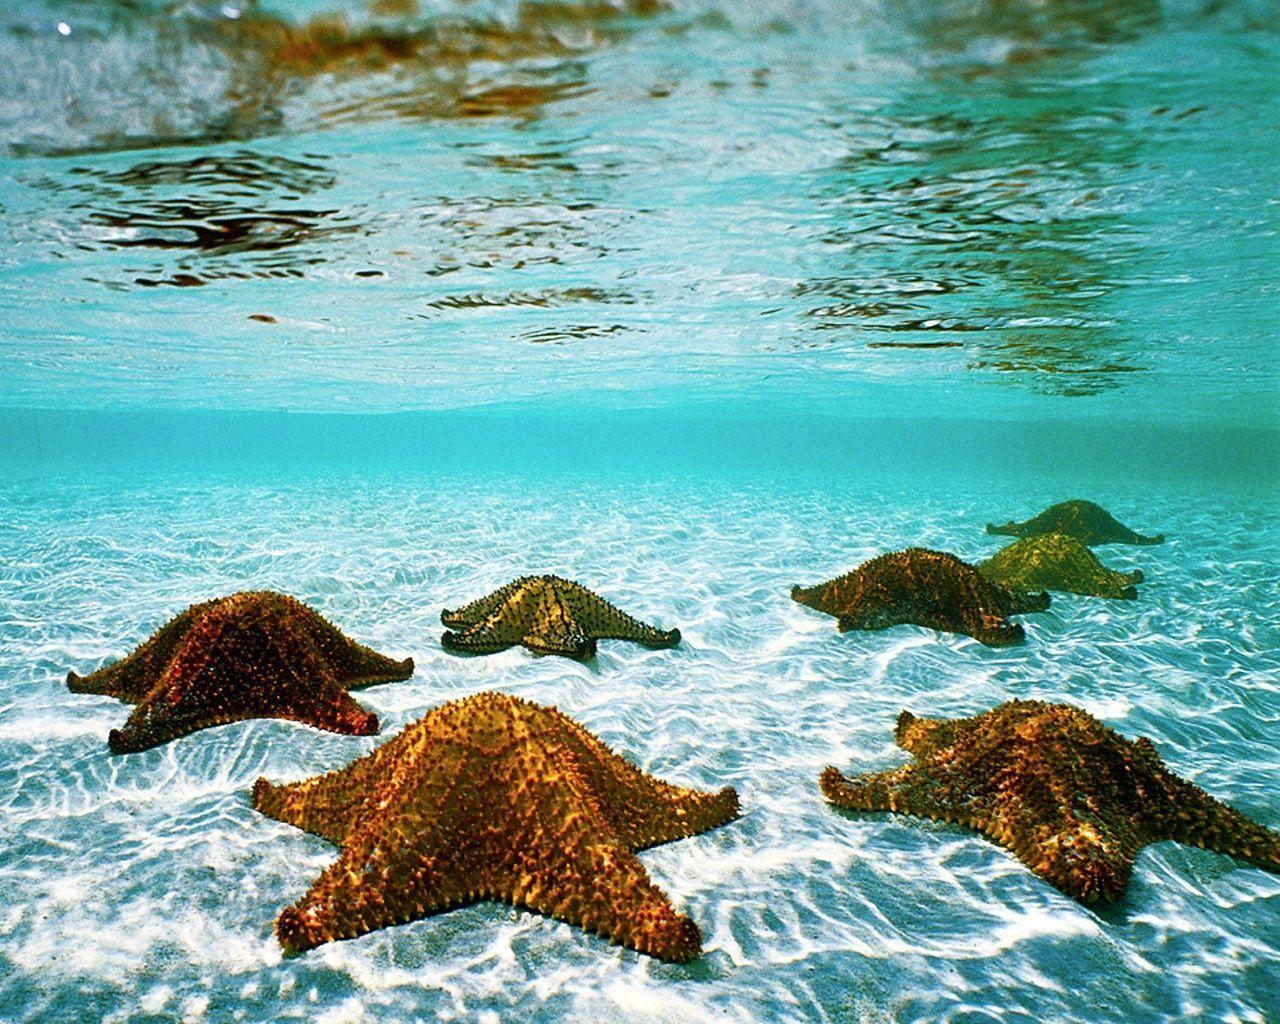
493, 798
1092, 524
1055, 561
927, 588
1074, 800
250, 655
548, 615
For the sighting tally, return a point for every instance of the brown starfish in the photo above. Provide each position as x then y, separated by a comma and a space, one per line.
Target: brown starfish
1082, 520
1055, 561
548, 615
1074, 800
250, 655
493, 798
927, 588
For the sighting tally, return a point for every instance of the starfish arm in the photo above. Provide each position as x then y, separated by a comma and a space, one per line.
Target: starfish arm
396, 864
328, 805
378, 880
1083, 859
328, 814
684, 813
485, 637
600, 619
505, 625
869, 615
1119, 587
564, 859
922, 735
997, 631
600, 886
1020, 601
476, 640
644, 811
571, 643
1196, 818
132, 677
878, 791
1087, 858
351, 664
475, 612
835, 596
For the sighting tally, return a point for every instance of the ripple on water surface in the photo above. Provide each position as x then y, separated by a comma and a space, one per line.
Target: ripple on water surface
324, 205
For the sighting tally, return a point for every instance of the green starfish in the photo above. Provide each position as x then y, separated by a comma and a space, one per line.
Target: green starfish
547, 615
1054, 561
1082, 520
1074, 800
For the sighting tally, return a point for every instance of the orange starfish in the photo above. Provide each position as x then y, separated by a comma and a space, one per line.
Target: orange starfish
493, 798
928, 588
1074, 800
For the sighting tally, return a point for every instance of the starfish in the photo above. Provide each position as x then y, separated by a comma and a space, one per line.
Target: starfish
1082, 520
1074, 800
1055, 561
250, 655
928, 588
548, 615
493, 798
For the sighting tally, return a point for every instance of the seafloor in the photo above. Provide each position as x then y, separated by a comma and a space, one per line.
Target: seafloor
143, 888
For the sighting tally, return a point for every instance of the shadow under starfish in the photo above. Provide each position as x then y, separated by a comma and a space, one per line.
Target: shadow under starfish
547, 615
926, 588
493, 798
250, 655
1074, 800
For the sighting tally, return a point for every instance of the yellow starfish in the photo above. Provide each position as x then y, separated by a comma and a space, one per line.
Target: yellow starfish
548, 615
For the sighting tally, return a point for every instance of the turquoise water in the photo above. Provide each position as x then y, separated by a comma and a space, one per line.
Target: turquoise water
690, 302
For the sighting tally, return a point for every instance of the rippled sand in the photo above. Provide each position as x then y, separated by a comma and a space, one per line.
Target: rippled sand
144, 887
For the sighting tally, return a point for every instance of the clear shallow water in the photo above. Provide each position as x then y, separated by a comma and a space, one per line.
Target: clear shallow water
144, 888
692, 302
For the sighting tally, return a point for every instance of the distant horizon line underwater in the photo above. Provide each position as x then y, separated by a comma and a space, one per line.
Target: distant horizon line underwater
639, 511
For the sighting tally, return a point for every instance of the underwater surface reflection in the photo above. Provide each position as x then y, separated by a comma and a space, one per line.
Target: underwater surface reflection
1064, 199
